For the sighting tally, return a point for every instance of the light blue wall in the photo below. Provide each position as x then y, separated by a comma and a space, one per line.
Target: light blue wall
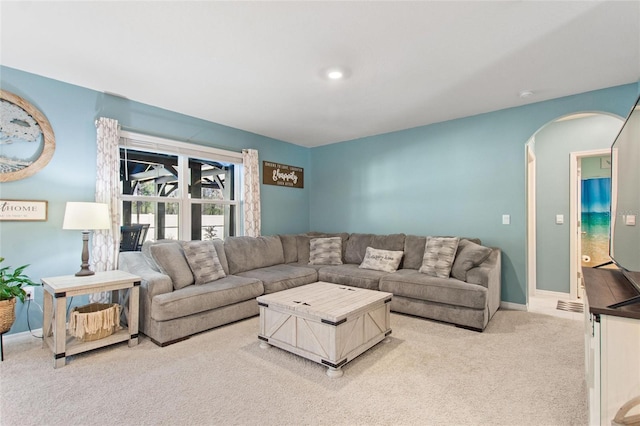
554, 143
70, 175
453, 178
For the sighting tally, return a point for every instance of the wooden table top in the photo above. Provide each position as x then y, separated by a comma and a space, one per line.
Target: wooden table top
325, 300
71, 282
605, 287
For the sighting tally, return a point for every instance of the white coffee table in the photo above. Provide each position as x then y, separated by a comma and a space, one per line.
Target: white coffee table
327, 323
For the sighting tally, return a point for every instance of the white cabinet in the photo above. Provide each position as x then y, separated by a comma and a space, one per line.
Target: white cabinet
592, 364
612, 361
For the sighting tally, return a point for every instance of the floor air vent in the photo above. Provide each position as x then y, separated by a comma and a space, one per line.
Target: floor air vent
563, 305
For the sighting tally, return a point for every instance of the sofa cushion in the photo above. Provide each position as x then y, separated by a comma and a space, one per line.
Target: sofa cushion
203, 261
351, 275
200, 298
357, 245
247, 253
307, 265
414, 250
289, 247
302, 244
171, 261
222, 256
281, 277
325, 251
381, 260
438, 258
146, 252
469, 255
415, 285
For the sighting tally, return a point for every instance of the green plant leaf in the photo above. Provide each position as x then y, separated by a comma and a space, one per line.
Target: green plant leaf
11, 282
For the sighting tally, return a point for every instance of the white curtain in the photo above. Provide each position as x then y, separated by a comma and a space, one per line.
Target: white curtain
106, 243
251, 193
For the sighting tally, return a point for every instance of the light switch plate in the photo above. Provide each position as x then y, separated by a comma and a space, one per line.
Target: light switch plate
506, 219
630, 220
559, 219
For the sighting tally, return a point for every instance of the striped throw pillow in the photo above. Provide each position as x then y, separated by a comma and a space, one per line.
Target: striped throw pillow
203, 261
439, 253
325, 251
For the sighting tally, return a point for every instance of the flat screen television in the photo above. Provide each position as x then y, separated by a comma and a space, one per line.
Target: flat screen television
624, 242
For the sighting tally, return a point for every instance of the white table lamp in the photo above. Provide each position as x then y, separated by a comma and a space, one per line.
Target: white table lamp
86, 217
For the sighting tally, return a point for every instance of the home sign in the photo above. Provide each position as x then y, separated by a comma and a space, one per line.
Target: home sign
282, 175
27, 210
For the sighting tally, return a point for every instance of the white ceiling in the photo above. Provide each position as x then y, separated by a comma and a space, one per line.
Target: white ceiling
257, 66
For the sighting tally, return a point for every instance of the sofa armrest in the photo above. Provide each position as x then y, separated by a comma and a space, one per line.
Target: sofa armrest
152, 281
486, 271
489, 274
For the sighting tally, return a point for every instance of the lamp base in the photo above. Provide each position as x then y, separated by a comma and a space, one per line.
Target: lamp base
84, 267
85, 271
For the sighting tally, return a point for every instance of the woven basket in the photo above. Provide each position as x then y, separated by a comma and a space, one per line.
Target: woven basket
94, 321
7, 314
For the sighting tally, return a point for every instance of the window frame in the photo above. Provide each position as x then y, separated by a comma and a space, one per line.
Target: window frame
184, 151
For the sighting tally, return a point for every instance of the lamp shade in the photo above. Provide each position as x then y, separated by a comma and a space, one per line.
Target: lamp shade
86, 216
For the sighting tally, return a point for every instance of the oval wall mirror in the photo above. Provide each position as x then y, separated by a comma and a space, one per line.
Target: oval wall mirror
26, 138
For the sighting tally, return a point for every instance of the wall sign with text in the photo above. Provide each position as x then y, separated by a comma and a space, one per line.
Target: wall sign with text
23, 210
282, 175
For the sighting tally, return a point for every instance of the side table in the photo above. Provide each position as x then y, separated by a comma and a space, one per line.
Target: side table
54, 324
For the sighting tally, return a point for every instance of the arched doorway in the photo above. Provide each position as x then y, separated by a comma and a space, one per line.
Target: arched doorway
552, 158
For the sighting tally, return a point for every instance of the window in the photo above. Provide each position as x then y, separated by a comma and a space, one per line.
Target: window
182, 191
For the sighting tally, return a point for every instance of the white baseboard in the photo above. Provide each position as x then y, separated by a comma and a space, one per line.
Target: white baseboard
513, 306
16, 336
549, 293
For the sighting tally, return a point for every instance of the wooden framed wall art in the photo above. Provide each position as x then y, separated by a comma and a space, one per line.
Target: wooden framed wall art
26, 138
282, 175
23, 210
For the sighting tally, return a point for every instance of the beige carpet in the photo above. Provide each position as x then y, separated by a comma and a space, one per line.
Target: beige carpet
525, 369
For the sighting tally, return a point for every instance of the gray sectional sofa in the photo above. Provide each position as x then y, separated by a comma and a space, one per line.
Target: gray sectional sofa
175, 302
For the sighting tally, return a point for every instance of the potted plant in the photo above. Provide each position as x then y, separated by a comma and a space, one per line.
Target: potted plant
11, 283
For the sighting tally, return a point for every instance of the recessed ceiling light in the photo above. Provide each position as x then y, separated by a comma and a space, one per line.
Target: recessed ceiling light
336, 73
525, 94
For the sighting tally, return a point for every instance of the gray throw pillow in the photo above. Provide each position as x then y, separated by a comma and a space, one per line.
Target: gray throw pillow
146, 252
325, 251
381, 260
170, 260
439, 253
469, 256
203, 261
